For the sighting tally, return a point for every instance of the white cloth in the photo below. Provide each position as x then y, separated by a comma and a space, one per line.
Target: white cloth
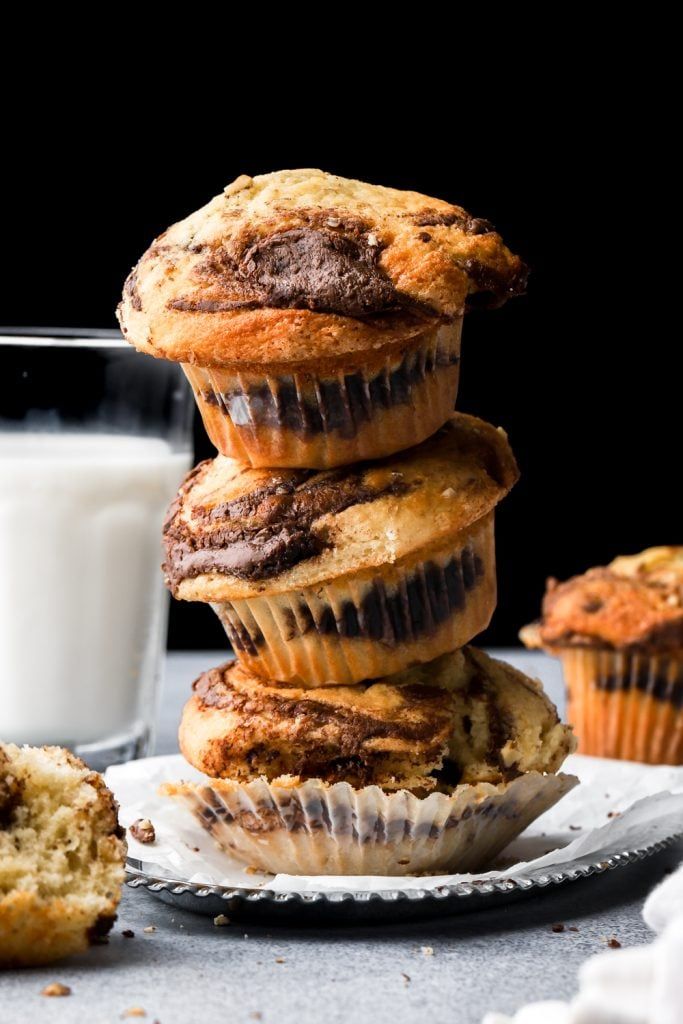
640, 985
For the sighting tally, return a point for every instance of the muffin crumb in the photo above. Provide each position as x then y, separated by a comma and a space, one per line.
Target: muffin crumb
559, 927
220, 920
149, 929
143, 830
55, 988
128, 933
614, 943
427, 950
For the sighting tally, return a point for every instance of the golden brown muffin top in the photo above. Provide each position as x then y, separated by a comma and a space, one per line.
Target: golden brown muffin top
292, 265
234, 531
635, 601
461, 718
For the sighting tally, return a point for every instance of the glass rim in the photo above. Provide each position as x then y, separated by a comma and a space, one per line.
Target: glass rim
60, 337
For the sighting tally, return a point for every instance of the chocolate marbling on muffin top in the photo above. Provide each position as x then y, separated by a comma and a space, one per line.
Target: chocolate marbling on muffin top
463, 718
303, 265
635, 602
236, 532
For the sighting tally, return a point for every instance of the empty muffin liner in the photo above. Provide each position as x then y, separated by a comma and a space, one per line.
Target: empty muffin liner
372, 624
625, 704
302, 419
292, 827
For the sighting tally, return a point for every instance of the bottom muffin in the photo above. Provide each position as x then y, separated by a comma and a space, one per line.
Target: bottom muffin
433, 769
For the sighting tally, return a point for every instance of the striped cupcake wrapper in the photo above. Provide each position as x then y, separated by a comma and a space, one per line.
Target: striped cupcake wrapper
291, 827
301, 419
371, 625
625, 704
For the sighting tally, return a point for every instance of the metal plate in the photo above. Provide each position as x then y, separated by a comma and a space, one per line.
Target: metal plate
383, 905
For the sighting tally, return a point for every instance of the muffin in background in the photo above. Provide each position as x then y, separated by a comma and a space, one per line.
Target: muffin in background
62, 855
339, 576
618, 631
435, 768
317, 318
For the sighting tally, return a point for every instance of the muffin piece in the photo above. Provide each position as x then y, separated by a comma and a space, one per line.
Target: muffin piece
437, 767
61, 855
344, 575
619, 633
318, 318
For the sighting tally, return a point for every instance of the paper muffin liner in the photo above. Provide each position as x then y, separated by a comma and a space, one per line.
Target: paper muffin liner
371, 624
312, 828
625, 704
318, 421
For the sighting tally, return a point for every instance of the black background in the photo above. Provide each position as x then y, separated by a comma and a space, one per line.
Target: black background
584, 372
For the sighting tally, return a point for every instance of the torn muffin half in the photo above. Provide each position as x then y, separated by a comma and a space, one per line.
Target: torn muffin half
436, 768
62, 855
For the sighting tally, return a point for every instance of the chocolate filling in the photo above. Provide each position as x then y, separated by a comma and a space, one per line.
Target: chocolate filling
500, 725
470, 225
319, 270
449, 775
215, 690
97, 933
316, 267
347, 754
11, 791
640, 678
268, 530
494, 285
338, 405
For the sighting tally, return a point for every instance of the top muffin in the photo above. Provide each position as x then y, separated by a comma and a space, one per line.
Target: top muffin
302, 264
634, 602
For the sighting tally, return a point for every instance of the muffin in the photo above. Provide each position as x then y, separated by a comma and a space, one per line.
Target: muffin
435, 768
338, 576
619, 633
317, 318
61, 856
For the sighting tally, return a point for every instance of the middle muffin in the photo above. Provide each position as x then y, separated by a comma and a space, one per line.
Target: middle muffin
339, 576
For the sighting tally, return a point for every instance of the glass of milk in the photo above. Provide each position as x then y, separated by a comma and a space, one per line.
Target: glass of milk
94, 440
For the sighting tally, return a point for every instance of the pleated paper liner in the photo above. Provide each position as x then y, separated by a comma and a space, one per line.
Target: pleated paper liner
371, 624
302, 419
625, 704
311, 828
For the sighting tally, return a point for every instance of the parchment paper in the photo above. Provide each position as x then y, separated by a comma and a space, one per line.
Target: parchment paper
618, 804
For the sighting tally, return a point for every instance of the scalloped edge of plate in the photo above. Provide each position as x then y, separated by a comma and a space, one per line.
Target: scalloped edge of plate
138, 877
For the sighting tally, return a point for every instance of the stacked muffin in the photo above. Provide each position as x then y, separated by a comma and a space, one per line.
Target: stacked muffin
344, 534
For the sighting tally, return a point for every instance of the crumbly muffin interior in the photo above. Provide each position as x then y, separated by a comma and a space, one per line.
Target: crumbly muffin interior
58, 829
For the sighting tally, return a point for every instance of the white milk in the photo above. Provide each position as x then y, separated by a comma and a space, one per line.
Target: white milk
82, 612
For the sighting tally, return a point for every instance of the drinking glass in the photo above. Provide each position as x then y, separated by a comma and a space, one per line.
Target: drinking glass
94, 440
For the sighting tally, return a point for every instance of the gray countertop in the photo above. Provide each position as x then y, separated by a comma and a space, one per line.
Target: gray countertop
189, 971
